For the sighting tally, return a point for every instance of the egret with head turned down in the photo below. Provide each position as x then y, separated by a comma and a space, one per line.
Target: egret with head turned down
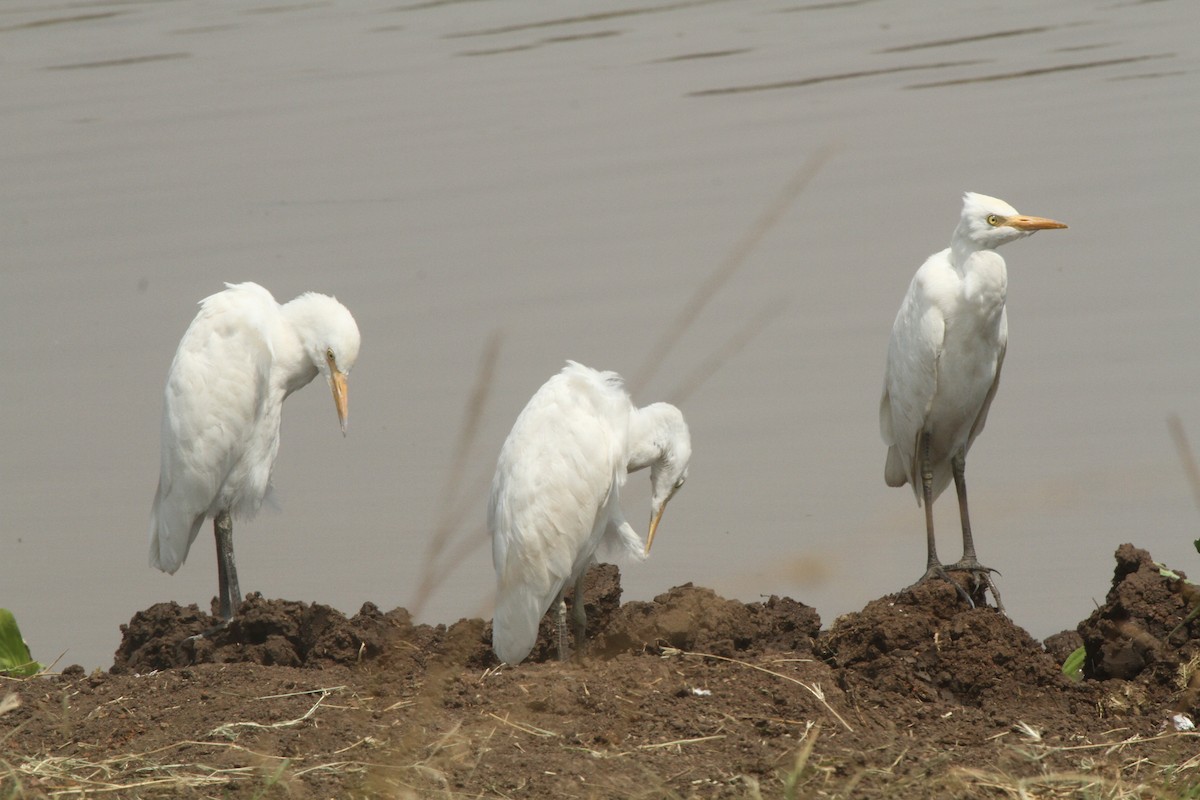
943, 366
238, 361
556, 496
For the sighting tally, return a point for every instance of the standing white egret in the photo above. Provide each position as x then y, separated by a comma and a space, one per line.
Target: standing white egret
240, 358
556, 496
943, 365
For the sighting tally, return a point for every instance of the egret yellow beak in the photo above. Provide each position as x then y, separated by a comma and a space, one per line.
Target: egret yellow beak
340, 397
654, 520
1024, 223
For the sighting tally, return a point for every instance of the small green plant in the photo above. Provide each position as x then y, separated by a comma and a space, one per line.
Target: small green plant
15, 659
1073, 666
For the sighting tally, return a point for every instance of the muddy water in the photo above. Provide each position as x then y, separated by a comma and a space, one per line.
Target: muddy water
562, 181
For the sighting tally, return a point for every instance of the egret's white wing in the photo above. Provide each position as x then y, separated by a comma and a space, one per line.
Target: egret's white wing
216, 396
911, 380
559, 473
980, 420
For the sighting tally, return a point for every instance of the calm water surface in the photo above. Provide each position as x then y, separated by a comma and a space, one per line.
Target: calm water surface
561, 179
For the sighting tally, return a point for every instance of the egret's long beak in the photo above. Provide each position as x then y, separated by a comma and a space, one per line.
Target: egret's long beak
654, 520
340, 397
1024, 223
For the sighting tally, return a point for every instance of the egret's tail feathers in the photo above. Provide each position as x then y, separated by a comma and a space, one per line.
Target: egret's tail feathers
170, 540
894, 471
515, 624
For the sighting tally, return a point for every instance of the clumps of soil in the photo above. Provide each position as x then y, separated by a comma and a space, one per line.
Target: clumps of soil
697, 619
925, 643
285, 633
1129, 632
688, 695
686, 618
1142, 643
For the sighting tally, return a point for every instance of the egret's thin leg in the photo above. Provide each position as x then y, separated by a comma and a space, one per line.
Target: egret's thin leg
959, 466
560, 627
969, 562
230, 594
579, 617
933, 567
931, 559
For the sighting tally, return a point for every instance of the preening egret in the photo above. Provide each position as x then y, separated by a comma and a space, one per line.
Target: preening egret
556, 496
240, 358
943, 364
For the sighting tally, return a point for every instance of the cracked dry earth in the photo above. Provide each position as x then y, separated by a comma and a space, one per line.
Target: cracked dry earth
690, 695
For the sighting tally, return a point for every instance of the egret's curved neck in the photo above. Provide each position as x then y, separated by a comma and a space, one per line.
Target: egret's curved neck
962, 247
651, 431
982, 270
293, 363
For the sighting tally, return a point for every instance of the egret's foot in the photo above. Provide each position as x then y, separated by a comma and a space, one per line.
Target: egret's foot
981, 579
938, 572
210, 632
187, 647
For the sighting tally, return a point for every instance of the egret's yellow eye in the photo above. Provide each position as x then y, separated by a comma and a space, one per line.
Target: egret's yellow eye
993, 220
329, 355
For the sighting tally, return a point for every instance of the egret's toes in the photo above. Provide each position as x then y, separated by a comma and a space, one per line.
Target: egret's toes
981, 578
188, 646
937, 572
215, 629
971, 565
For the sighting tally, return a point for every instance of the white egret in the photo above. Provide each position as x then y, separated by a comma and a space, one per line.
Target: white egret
943, 365
556, 496
240, 358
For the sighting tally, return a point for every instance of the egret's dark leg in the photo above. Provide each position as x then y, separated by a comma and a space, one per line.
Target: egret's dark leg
579, 617
969, 562
933, 566
560, 627
230, 594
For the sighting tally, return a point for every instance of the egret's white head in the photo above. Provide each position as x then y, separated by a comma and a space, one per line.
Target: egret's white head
669, 470
331, 340
988, 222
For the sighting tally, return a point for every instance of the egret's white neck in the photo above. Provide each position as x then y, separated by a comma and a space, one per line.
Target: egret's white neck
652, 430
292, 346
962, 246
983, 272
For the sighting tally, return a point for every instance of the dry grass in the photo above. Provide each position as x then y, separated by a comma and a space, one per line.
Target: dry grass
185, 768
814, 688
436, 756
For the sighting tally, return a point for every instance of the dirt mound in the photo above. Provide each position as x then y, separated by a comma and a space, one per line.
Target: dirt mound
286, 633
686, 618
1130, 631
697, 619
928, 644
688, 695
